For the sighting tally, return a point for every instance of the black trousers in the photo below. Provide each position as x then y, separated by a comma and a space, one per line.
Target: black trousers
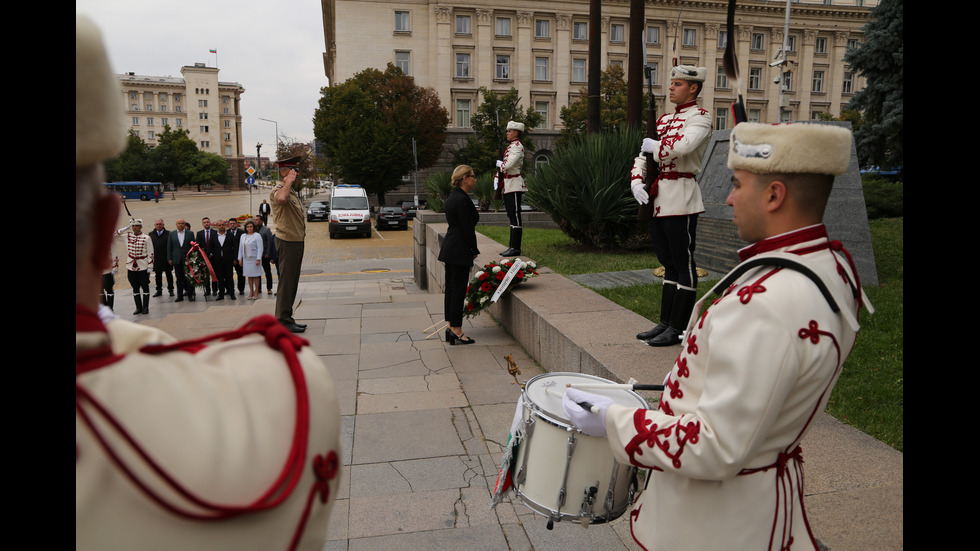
512, 203
673, 241
140, 281
184, 286
159, 277
457, 277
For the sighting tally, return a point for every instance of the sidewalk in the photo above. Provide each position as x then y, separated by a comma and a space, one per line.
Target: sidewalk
424, 426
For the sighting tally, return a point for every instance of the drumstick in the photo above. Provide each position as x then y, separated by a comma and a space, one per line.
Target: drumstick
584, 405
613, 386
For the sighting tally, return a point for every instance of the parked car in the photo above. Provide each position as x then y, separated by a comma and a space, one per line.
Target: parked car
409, 208
391, 217
318, 210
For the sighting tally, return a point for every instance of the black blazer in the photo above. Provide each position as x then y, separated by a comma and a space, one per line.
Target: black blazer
459, 245
159, 246
225, 256
212, 242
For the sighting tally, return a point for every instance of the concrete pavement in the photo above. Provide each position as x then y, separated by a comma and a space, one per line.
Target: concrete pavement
424, 423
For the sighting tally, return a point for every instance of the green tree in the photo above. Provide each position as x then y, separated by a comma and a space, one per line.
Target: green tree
489, 123
366, 125
203, 168
133, 164
612, 106
880, 59
173, 151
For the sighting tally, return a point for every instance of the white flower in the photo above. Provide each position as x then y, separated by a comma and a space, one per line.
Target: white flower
496, 269
483, 300
466, 301
531, 264
479, 274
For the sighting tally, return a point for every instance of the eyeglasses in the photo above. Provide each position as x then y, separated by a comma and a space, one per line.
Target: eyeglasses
471, 175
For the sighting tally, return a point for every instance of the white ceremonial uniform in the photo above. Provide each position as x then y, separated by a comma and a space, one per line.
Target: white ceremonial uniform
510, 170
220, 420
683, 138
139, 251
754, 369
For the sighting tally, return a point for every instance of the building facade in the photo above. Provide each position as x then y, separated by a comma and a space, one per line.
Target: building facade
209, 110
540, 47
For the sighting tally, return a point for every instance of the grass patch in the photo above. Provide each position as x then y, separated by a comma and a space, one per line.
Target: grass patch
554, 249
870, 392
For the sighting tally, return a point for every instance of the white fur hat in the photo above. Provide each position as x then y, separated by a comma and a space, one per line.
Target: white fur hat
688, 72
100, 125
512, 125
792, 148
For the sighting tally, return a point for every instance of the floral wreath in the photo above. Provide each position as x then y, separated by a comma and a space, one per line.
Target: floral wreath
485, 283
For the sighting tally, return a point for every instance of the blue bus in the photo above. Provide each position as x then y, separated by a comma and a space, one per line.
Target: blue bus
136, 190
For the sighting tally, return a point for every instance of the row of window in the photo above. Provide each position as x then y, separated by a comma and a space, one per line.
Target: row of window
148, 96
464, 108
149, 107
164, 121
617, 32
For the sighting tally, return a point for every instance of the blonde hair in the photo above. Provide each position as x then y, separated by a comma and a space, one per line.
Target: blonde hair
460, 173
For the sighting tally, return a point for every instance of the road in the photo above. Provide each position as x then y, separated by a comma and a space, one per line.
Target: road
325, 259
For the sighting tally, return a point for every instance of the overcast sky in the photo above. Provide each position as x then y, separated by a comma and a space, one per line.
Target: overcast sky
273, 49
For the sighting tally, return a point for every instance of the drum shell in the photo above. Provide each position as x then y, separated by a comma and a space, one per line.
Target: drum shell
542, 458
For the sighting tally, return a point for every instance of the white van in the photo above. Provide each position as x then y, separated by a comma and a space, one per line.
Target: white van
350, 211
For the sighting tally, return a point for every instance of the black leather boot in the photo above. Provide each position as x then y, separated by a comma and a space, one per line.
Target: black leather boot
515, 242
666, 304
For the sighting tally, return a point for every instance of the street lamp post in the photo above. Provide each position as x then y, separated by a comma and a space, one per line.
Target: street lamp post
258, 166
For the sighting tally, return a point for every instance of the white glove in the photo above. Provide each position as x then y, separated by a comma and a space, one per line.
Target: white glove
500, 164
592, 423
642, 197
649, 145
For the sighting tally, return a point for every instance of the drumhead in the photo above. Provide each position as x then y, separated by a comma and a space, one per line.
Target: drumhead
537, 395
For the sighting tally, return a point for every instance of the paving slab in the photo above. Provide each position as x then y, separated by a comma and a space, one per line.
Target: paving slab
405, 435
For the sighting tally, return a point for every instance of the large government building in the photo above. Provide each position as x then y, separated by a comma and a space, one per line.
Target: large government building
541, 48
208, 109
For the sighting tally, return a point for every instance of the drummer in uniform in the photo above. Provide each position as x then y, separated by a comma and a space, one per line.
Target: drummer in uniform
755, 367
225, 442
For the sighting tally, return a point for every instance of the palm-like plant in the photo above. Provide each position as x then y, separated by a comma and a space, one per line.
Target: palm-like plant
585, 188
437, 188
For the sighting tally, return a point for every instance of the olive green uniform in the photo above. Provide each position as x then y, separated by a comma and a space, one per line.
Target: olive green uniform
290, 221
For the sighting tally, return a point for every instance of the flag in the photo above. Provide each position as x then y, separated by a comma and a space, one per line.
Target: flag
213, 51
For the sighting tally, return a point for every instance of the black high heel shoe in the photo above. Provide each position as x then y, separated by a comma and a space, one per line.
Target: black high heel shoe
452, 338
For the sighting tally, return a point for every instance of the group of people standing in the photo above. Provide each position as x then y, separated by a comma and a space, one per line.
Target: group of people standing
247, 251
755, 366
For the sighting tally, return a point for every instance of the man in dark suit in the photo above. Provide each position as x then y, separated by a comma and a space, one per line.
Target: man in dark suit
225, 253
265, 209
159, 237
178, 245
237, 232
207, 238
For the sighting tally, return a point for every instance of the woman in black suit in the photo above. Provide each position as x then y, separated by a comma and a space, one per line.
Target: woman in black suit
459, 250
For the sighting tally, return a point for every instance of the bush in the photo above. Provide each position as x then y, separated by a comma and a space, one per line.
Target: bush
438, 187
883, 198
585, 188
484, 191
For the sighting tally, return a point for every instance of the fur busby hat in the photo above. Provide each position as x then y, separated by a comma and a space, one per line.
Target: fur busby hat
513, 125
793, 148
100, 124
688, 72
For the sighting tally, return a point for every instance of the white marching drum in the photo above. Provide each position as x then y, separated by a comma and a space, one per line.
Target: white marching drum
559, 471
